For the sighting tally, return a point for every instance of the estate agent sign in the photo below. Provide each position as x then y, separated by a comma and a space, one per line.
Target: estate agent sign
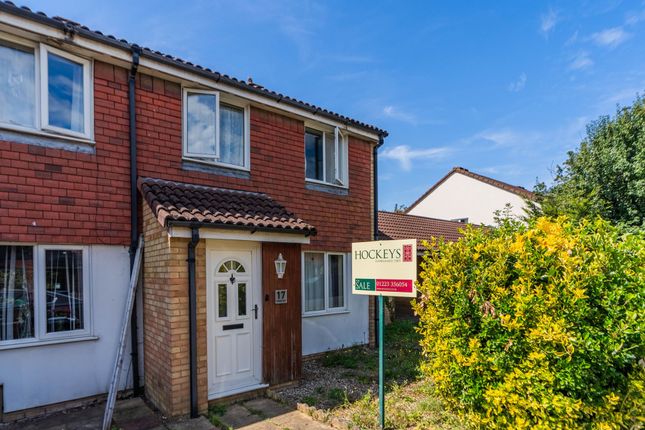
384, 268
387, 267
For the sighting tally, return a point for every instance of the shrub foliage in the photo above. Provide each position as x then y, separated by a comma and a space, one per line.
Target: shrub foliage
537, 326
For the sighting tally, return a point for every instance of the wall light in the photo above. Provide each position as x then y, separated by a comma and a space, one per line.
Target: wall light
280, 265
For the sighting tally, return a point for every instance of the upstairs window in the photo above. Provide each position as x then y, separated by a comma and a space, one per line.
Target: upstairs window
214, 131
326, 156
43, 88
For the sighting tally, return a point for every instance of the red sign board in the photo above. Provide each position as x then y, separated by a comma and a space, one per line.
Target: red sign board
394, 285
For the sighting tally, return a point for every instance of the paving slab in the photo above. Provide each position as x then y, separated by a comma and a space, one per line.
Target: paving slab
134, 414
237, 416
267, 414
200, 423
296, 420
266, 407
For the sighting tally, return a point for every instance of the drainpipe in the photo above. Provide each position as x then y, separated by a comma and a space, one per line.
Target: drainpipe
134, 214
375, 187
192, 305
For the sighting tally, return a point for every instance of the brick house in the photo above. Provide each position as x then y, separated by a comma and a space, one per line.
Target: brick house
101, 142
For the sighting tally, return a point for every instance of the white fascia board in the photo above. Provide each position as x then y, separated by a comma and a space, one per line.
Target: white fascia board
123, 57
225, 234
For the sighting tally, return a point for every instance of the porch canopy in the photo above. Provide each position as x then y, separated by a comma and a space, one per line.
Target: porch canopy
177, 204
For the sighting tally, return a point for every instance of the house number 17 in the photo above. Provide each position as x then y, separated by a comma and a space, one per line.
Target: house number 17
280, 297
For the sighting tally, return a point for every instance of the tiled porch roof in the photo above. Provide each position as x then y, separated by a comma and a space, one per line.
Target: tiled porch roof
185, 204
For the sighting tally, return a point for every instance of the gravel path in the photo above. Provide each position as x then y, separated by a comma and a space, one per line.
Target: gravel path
326, 387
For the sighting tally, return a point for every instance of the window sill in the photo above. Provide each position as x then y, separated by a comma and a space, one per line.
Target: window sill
215, 168
37, 343
326, 188
325, 313
47, 139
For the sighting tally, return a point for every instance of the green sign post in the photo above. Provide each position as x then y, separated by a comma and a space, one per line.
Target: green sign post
384, 268
381, 363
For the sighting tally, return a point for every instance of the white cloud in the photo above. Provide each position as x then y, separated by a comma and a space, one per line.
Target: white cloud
572, 39
548, 22
519, 84
611, 37
405, 155
581, 61
506, 137
635, 17
399, 114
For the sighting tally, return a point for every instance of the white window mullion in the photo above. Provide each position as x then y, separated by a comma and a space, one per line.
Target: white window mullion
44, 100
337, 137
324, 156
326, 278
217, 126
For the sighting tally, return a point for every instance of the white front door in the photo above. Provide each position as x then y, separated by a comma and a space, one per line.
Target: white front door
234, 322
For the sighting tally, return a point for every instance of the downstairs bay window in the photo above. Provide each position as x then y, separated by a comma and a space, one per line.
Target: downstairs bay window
43, 293
215, 130
324, 282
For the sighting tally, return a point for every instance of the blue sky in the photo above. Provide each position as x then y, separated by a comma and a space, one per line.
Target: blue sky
503, 88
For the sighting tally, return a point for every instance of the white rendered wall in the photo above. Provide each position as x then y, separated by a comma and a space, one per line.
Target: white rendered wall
461, 196
40, 375
334, 331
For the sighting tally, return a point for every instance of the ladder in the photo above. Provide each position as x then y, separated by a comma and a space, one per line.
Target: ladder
118, 365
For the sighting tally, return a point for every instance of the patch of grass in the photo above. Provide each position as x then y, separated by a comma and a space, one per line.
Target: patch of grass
406, 407
337, 395
402, 354
411, 402
349, 358
309, 400
217, 410
214, 414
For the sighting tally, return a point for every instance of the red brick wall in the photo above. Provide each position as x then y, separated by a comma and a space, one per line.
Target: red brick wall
277, 166
59, 196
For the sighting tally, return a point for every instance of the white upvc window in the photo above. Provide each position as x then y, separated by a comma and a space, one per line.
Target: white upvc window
44, 89
215, 129
324, 282
44, 293
326, 156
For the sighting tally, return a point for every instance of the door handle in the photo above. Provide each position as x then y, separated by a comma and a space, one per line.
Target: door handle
255, 309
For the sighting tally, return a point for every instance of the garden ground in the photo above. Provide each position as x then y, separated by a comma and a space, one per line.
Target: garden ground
341, 387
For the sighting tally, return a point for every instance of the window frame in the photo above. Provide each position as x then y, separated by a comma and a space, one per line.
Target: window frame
42, 265
33, 46
44, 92
341, 140
220, 98
41, 118
346, 271
40, 299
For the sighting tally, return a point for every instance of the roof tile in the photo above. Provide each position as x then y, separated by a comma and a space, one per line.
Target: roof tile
396, 226
9, 7
176, 202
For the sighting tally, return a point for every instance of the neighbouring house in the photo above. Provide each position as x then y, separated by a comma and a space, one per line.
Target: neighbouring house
397, 225
102, 142
469, 197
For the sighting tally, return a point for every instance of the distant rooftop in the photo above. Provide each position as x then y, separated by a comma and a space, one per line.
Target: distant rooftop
515, 189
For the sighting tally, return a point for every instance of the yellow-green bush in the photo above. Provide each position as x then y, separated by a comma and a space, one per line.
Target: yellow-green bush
538, 326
